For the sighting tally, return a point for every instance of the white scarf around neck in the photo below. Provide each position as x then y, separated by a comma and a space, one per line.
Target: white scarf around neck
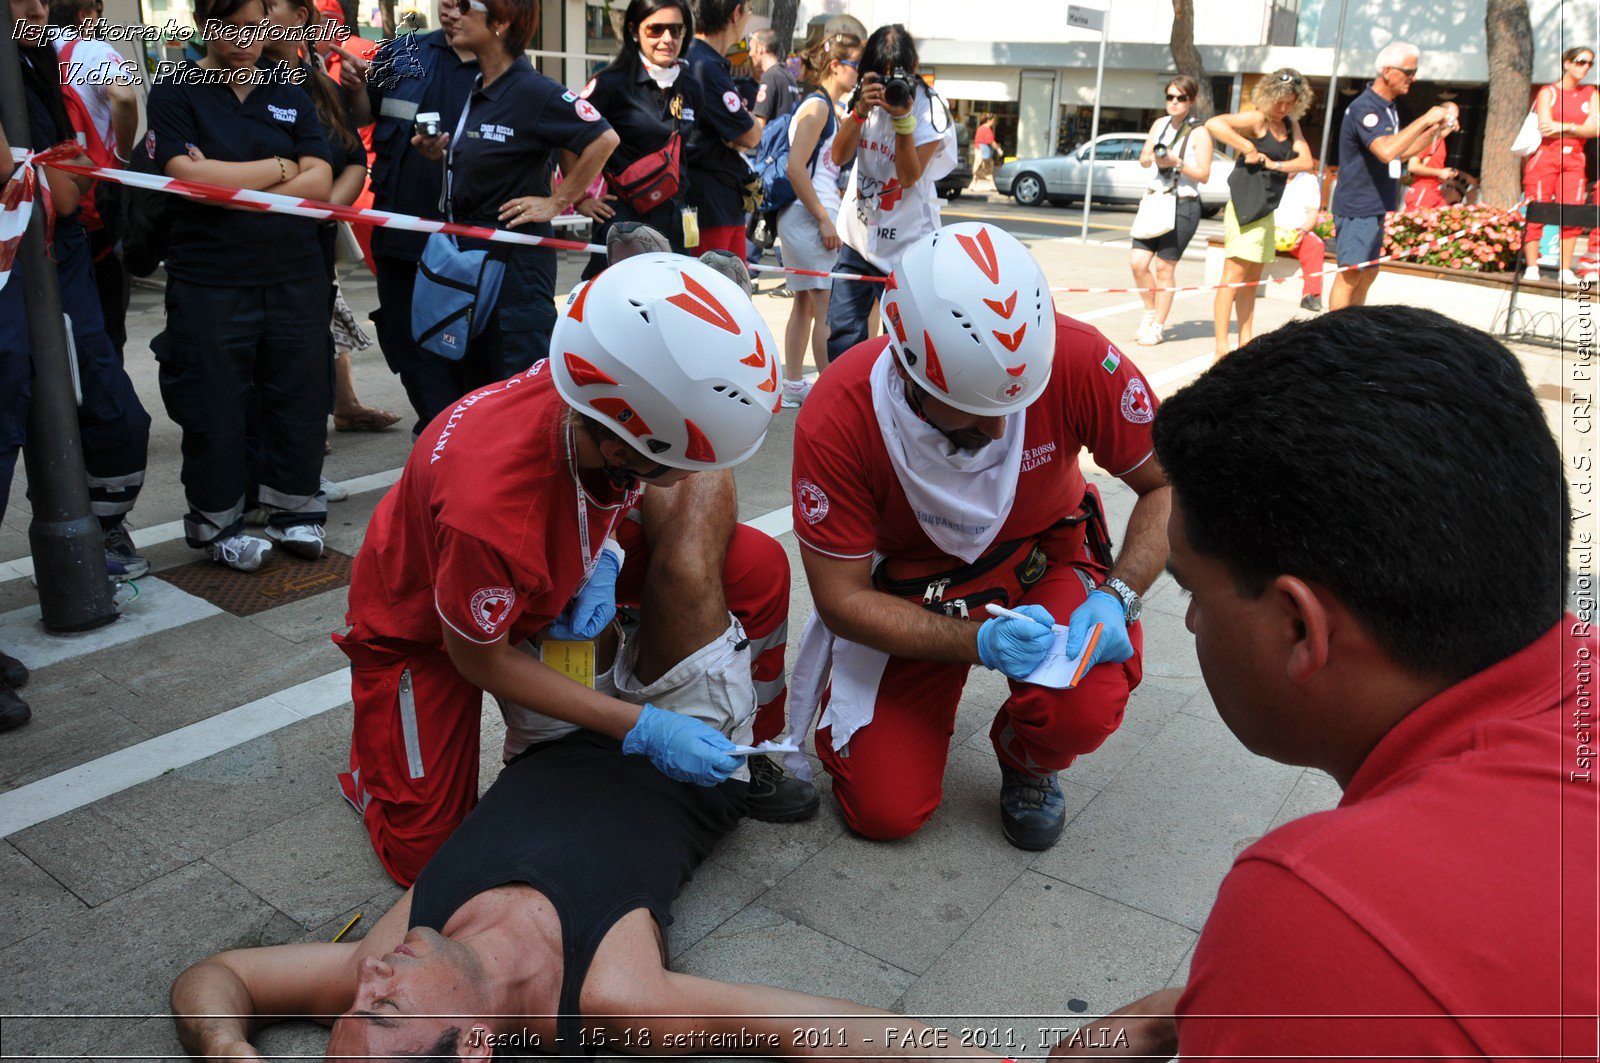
663, 76
961, 500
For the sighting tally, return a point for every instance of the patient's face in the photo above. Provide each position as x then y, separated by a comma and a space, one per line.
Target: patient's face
406, 1000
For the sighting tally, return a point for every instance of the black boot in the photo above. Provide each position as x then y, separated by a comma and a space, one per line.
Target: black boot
776, 797
14, 712
13, 673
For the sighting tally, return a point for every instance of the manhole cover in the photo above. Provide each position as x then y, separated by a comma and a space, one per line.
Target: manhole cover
281, 580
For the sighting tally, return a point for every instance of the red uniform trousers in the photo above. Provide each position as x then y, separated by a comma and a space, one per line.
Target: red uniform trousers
1553, 177
414, 749
1424, 194
1312, 254
889, 778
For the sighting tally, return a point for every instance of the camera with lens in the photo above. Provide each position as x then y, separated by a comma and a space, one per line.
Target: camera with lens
1159, 149
427, 124
898, 90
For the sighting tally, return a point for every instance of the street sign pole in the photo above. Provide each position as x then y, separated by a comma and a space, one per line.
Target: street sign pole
1091, 18
68, 554
1333, 94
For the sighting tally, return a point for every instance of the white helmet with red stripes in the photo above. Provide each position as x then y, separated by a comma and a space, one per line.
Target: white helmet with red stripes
672, 357
969, 315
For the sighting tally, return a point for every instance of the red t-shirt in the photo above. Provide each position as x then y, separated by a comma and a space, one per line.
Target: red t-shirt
1451, 894
482, 531
1567, 107
985, 135
848, 501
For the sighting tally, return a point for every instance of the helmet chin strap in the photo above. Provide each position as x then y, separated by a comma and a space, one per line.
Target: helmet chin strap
627, 479
914, 399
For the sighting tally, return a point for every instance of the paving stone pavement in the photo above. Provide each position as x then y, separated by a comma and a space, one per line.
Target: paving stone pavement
101, 907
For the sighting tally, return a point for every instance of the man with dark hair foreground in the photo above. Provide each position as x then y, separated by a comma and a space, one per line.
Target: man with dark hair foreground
539, 926
1375, 542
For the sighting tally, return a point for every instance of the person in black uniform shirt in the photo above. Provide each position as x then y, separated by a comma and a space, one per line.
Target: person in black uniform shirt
723, 128
778, 93
113, 423
248, 296
541, 923
421, 73
517, 120
648, 98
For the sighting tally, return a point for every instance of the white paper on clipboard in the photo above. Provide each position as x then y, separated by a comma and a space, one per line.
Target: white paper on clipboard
1059, 671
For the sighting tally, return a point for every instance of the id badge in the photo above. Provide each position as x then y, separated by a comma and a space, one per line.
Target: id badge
690, 218
573, 659
1394, 169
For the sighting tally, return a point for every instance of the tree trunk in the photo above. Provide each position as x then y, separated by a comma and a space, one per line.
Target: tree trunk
1510, 42
784, 13
1186, 57
352, 15
388, 16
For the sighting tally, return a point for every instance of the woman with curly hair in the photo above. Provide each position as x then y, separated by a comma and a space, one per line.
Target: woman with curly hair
1270, 147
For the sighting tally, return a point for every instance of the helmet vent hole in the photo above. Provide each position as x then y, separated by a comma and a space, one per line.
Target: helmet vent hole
720, 388
644, 312
658, 446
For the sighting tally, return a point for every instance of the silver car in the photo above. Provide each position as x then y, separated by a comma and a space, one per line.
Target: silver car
1118, 177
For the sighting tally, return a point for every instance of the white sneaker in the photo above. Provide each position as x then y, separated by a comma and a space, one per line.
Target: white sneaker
302, 540
1531, 274
1569, 278
332, 491
794, 393
242, 552
1151, 335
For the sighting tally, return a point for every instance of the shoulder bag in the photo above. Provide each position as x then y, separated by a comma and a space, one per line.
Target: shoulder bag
1528, 137
456, 290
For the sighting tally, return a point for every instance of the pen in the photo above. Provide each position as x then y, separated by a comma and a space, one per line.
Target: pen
1012, 614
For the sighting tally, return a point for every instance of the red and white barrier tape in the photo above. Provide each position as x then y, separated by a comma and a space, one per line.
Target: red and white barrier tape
320, 211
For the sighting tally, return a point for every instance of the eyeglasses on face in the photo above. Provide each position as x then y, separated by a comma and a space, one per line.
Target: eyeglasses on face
654, 31
851, 63
1583, 62
1408, 71
1177, 97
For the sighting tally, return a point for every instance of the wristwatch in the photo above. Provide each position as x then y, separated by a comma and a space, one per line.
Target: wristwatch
1132, 604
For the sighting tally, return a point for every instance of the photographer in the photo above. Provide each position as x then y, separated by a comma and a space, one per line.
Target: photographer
1180, 150
248, 299
723, 128
498, 176
652, 105
902, 141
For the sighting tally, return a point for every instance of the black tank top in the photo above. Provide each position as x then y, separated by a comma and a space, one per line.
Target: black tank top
1256, 190
598, 833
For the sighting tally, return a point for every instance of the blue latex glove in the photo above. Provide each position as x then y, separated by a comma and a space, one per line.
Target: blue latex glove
595, 604
1106, 610
682, 747
1016, 647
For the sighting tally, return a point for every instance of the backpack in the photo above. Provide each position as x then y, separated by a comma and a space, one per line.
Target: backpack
147, 216
772, 157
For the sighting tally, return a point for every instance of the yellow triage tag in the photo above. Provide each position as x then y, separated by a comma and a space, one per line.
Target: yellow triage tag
575, 660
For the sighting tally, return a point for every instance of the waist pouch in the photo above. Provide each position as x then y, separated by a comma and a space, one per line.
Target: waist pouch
652, 179
1003, 575
454, 294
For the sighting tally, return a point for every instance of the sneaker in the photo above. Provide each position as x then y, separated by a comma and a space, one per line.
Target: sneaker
1531, 274
794, 393
302, 540
14, 712
775, 797
122, 560
242, 552
1312, 303
13, 673
1033, 809
332, 491
1151, 335
1569, 278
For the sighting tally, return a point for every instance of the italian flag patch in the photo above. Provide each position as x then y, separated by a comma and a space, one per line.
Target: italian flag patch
1113, 359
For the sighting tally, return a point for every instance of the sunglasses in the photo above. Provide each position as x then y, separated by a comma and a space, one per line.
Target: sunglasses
1408, 71
675, 30
1582, 62
1293, 79
851, 63
1176, 98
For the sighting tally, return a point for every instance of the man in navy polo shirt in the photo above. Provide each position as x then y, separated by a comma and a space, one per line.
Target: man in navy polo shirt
416, 74
1373, 148
723, 127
